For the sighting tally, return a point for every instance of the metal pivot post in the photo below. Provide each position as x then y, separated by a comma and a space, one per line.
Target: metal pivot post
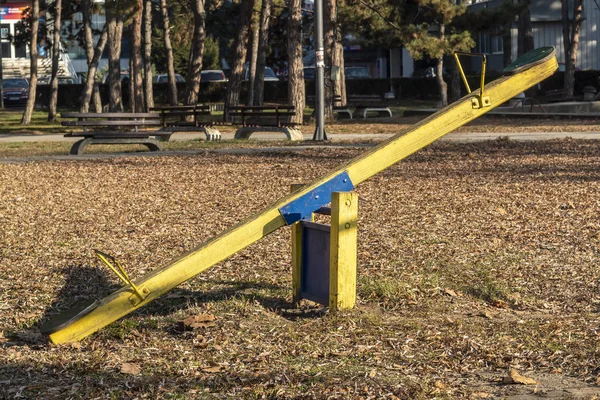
480, 101
320, 74
139, 293
324, 256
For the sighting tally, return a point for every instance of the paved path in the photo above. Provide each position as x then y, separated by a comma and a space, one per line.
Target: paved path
342, 139
465, 137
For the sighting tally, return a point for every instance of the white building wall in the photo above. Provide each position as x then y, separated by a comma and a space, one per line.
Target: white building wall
408, 64
549, 33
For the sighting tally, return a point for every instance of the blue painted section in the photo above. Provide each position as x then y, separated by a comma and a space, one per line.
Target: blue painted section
314, 281
304, 206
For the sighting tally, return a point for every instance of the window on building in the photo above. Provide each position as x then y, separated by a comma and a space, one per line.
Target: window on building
4, 32
489, 43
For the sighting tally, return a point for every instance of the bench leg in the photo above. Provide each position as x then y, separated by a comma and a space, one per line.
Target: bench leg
243, 133
344, 114
293, 133
212, 133
361, 112
384, 113
79, 146
290, 133
153, 145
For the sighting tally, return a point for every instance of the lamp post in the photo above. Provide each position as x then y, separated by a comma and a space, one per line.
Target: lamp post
1, 55
320, 74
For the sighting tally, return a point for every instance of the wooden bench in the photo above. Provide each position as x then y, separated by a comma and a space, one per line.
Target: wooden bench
187, 119
114, 128
342, 112
267, 118
365, 104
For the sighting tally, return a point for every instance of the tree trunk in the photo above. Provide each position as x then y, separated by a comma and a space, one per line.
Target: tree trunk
194, 72
443, 87
115, 33
55, 59
93, 57
96, 99
571, 30
91, 83
525, 38
172, 86
33, 53
296, 95
131, 81
455, 83
339, 86
330, 31
234, 88
135, 73
253, 58
507, 43
148, 55
263, 47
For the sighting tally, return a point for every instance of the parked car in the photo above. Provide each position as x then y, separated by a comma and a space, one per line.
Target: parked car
124, 77
66, 81
213, 75
357, 73
270, 76
16, 90
164, 78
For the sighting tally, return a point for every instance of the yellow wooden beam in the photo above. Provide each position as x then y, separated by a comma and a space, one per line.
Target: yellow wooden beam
256, 227
342, 260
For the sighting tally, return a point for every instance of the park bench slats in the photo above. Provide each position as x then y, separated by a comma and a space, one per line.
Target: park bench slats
107, 122
265, 118
186, 119
365, 104
127, 116
114, 128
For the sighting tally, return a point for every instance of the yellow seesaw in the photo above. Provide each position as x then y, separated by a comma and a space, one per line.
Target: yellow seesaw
525, 72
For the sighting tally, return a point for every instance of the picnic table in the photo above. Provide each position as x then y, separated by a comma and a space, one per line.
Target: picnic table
187, 119
267, 118
114, 128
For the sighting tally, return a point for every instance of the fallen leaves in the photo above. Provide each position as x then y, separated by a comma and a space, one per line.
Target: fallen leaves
213, 369
433, 247
515, 377
199, 321
130, 369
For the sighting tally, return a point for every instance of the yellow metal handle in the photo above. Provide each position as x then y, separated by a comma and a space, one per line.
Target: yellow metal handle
119, 271
482, 102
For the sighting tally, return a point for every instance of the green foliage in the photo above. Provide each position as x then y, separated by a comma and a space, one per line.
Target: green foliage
212, 59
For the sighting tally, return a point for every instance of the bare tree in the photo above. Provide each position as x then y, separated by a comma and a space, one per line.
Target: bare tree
296, 95
93, 57
114, 20
135, 72
525, 32
33, 57
339, 86
55, 60
91, 83
194, 71
172, 88
571, 30
253, 57
263, 47
232, 97
148, 55
329, 25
